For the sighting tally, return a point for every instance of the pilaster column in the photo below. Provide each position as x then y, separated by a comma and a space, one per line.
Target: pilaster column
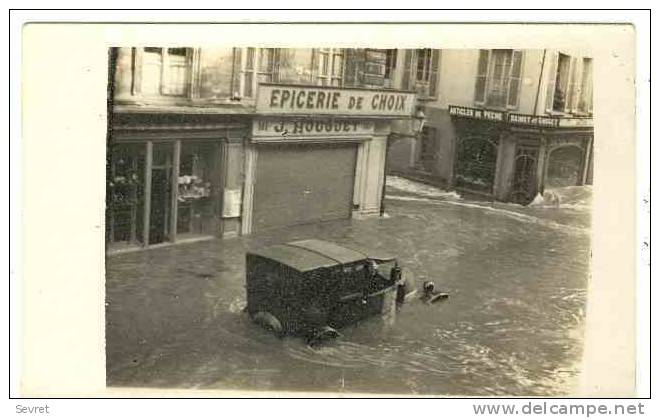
248, 188
231, 161
540, 168
373, 170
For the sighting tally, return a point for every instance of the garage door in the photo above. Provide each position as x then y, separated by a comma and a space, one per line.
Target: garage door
298, 184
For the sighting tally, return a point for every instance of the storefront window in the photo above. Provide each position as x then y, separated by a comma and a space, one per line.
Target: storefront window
167, 205
125, 191
195, 184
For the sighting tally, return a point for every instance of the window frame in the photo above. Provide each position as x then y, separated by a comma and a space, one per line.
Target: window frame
391, 56
427, 88
575, 88
250, 74
323, 66
507, 79
165, 71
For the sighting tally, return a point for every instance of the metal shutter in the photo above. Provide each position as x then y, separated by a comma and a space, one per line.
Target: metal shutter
298, 184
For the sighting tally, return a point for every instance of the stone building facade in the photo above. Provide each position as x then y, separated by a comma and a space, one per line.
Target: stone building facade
220, 142
504, 123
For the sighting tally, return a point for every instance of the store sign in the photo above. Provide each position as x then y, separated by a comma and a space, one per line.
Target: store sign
520, 119
576, 122
297, 100
474, 113
541, 121
296, 128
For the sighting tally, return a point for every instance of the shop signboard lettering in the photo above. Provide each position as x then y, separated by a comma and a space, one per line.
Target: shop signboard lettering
293, 128
519, 119
576, 122
541, 121
474, 113
298, 100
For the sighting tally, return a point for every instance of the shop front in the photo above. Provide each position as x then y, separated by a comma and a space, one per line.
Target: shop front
298, 155
513, 157
317, 154
165, 179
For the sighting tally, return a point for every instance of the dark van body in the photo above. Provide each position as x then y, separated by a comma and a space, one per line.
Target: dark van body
301, 287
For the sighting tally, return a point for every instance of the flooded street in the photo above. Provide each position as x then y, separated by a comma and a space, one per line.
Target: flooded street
517, 277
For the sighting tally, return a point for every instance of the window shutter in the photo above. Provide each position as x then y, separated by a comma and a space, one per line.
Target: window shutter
194, 77
314, 66
574, 90
351, 67
151, 71
482, 74
551, 80
138, 64
176, 65
236, 73
435, 68
586, 89
515, 76
407, 70
275, 65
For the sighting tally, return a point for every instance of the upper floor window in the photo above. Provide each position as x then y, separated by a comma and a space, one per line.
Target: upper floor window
165, 71
329, 66
421, 71
258, 66
369, 67
569, 86
390, 67
499, 72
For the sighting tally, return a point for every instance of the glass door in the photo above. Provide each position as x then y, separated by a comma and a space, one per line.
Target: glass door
161, 192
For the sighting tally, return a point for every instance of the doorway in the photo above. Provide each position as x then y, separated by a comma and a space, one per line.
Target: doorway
161, 193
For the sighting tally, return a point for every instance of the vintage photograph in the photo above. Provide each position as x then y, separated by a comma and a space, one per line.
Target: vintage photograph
348, 220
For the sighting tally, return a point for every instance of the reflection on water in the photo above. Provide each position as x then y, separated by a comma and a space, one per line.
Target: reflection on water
512, 326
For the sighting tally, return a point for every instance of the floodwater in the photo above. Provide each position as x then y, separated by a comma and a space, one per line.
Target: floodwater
513, 325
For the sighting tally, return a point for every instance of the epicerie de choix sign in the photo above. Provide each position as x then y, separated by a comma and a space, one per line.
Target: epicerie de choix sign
307, 100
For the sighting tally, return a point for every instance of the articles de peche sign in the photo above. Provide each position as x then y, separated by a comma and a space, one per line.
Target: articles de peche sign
278, 99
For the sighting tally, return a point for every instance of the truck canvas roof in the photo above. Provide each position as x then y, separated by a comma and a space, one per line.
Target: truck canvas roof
310, 254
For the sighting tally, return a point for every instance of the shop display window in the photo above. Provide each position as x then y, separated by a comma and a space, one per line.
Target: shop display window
125, 191
196, 213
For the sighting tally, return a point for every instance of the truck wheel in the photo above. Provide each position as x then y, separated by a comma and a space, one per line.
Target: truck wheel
269, 321
322, 334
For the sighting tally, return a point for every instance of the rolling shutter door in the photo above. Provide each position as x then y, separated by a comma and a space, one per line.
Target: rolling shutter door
298, 184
